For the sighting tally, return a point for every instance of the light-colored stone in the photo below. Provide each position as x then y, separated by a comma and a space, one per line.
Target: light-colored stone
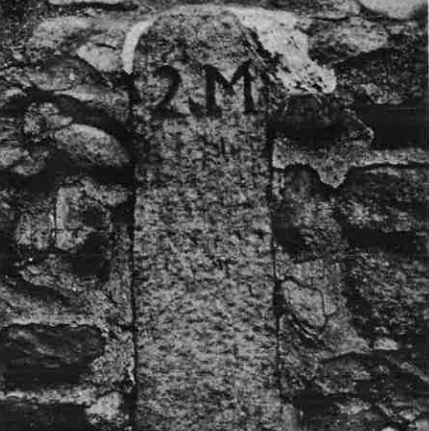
52, 33
349, 39
89, 147
10, 156
102, 58
35, 231
107, 410
396, 9
277, 31
78, 218
385, 344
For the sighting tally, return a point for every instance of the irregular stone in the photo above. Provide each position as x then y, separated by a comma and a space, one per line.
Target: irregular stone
98, 101
78, 219
10, 156
89, 147
302, 218
32, 163
398, 72
107, 413
37, 352
420, 425
61, 73
295, 70
42, 119
52, 35
385, 199
35, 231
386, 344
351, 415
395, 9
348, 39
307, 304
65, 409
279, 34
7, 208
10, 134
386, 294
344, 375
54, 279
107, 195
11, 100
102, 58
333, 163
27, 415
395, 126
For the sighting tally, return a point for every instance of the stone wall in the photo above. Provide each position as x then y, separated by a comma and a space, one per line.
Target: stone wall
214, 217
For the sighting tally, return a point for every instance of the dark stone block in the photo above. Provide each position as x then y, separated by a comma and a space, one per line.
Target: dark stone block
45, 354
18, 415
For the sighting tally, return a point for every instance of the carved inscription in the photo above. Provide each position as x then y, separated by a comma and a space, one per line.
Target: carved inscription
213, 79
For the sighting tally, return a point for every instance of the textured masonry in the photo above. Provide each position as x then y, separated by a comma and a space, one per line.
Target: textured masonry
204, 265
66, 345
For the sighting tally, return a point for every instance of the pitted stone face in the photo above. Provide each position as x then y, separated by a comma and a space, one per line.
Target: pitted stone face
198, 71
206, 352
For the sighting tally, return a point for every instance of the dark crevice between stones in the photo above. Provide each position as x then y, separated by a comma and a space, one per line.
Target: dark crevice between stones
319, 407
80, 112
35, 355
68, 106
407, 243
8, 254
125, 5
129, 214
24, 415
395, 126
90, 259
44, 181
278, 299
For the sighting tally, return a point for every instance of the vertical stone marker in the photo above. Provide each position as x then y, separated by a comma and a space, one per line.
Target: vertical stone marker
206, 78
202, 245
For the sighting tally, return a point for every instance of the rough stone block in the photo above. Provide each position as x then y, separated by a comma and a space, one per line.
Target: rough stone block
89, 147
41, 353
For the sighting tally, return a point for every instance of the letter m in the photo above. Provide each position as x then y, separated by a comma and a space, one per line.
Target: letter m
213, 76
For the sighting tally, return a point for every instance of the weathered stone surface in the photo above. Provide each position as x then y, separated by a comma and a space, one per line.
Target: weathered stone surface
304, 222
90, 148
41, 120
79, 409
206, 356
52, 35
386, 199
107, 413
10, 156
26, 415
396, 9
387, 295
102, 58
48, 353
348, 39
9, 133
376, 288
84, 229
35, 230
288, 48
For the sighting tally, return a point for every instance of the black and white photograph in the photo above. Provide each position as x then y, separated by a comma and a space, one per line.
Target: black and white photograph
214, 215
